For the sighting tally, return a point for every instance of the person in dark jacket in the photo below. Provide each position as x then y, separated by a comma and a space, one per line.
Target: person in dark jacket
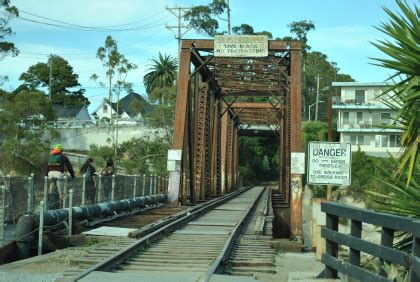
57, 164
88, 172
107, 173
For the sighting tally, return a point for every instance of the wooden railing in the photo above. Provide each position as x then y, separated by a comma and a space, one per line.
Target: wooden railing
385, 252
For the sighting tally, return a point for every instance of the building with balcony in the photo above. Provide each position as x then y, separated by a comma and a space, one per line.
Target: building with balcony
364, 120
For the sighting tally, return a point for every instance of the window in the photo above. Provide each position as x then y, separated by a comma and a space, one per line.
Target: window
377, 140
376, 118
105, 108
394, 140
359, 117
360, 96
385, 118
384, 140
353, 139
367, 139
346, 117
360, 140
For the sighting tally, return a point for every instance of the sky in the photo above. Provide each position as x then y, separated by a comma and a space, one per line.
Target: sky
343, 31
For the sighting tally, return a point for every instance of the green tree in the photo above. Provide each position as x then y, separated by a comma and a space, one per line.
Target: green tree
313, 131
116, 67
162, 117
402, 51
243, 29
63, 81
136, 156
203, 17
144, 157
24, 150
317, 63
246, 29
259, 159
301, 29
8, 12
161, 73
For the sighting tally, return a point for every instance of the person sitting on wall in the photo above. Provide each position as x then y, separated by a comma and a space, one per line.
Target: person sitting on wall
88, 172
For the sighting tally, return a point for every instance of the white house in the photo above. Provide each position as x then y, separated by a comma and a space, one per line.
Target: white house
363, 118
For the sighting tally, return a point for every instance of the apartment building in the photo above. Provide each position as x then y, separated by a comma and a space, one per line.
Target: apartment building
363, 118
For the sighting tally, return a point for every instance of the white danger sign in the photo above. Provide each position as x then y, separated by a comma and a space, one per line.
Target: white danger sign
241, 46
329, 163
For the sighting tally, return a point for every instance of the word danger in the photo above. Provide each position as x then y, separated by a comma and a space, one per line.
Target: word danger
329, 152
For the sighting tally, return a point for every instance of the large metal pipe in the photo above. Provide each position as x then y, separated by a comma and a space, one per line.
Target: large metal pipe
29, 222
53, 217
24, 235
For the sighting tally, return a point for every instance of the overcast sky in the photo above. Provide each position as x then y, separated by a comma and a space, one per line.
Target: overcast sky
343, 31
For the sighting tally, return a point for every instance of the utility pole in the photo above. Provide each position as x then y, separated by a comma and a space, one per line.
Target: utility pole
317, 98
228, 16
50, 63
179, 13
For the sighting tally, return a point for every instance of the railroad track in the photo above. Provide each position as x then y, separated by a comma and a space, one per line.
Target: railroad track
225, 235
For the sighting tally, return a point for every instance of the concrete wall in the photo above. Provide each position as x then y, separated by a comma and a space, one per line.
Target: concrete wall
80, 138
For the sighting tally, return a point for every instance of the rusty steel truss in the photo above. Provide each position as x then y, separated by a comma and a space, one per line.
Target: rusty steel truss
212, 108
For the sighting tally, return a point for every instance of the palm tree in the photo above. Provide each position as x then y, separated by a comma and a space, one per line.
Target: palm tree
402, 50
162, 73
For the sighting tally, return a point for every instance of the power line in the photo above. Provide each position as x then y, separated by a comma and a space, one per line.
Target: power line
149, 25
90, 27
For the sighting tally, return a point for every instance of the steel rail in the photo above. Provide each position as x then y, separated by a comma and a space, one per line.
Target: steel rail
225, 252
121, 256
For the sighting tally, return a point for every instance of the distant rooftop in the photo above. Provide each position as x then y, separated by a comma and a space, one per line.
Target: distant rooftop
67, 111
358, 84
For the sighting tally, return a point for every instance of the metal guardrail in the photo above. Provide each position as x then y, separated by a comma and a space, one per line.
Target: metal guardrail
389, 223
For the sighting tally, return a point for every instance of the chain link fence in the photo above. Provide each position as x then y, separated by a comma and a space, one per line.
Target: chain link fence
22, 195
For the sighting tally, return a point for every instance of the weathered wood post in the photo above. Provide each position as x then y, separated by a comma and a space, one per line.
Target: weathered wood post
143, 184
30, 204
387, 240
151, 185
331, 247
2, 213
113, 188
100, 188
355, 231
45, 193
83, 190
41, 226
70, 212
135, 186
415, 262
65, 191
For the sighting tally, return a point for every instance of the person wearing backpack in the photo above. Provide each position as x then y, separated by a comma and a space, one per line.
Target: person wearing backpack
57, 164
88, 172
107, 173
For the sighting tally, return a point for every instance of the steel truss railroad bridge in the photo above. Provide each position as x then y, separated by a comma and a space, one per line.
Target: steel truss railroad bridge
211, 114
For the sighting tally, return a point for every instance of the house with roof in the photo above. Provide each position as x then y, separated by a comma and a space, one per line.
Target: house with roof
364, 119
72, 115
131, 108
